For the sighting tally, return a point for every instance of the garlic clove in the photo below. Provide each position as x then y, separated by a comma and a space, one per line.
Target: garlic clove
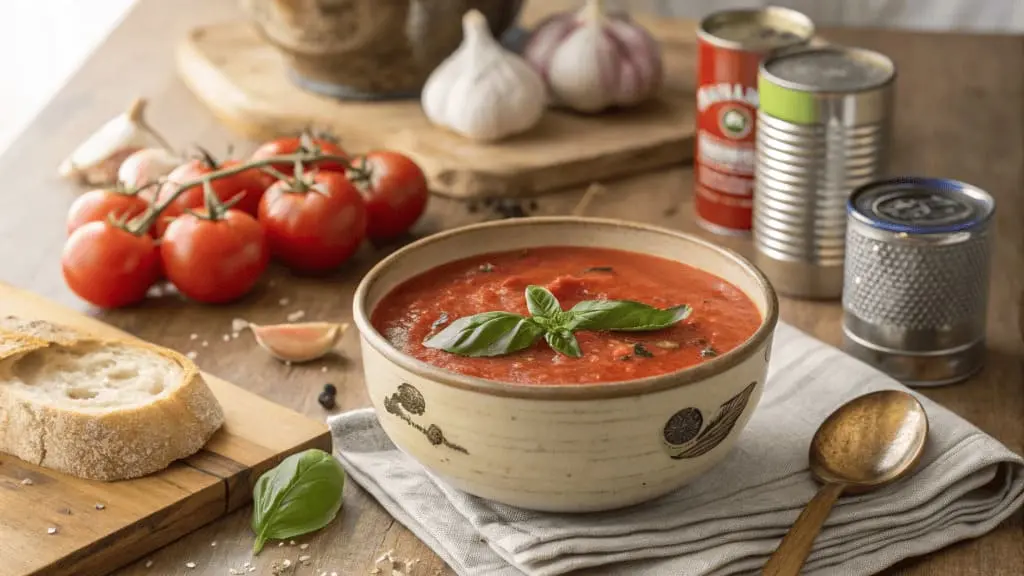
147, 165
583, 72
97, 159
482, 91
298, 342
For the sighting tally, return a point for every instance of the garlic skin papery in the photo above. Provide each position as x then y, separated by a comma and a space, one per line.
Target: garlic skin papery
96, 160
592, 61
483, 91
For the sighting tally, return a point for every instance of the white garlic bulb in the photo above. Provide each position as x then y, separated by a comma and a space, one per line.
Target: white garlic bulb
97, 160
483, 91
592, 60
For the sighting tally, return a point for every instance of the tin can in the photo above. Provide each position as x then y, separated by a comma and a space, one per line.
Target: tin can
730, 46
823, 130
916, 280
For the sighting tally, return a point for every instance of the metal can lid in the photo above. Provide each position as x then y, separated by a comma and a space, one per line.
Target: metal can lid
758, 30
829, 69
921, 205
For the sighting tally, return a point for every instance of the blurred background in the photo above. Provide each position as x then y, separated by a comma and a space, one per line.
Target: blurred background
44, 41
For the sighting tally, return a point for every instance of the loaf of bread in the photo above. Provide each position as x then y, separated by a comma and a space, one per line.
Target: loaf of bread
98, 409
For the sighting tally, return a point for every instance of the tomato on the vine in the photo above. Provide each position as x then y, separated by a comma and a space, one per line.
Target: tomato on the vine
313, 223
102, 203
304, 142
214, 258
395, 191
250, 184
108, 266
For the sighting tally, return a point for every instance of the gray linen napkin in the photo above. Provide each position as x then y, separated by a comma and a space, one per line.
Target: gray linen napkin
729, 520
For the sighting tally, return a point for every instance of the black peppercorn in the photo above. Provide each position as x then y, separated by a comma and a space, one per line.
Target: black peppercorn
326, 400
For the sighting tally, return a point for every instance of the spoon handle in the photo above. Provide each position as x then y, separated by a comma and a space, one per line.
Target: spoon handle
792, 552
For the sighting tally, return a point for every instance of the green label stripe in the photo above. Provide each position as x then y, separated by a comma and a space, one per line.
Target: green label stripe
785, 103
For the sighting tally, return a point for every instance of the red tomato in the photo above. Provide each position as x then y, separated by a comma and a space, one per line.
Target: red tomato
249, 183
108, 266
395, 191
214, 261
291, 145
314, 231
100, 203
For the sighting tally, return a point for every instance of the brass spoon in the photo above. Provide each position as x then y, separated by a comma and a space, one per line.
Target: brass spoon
868, 442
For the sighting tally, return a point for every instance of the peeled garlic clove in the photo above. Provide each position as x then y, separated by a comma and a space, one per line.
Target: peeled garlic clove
483, 91
146, 166
298, 342
592, 61
96, 160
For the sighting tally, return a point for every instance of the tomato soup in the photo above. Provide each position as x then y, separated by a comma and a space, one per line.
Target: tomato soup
723, 317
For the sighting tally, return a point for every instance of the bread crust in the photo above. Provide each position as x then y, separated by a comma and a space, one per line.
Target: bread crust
116, 445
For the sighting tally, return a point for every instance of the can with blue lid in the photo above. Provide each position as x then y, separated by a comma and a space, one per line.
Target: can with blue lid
916, 276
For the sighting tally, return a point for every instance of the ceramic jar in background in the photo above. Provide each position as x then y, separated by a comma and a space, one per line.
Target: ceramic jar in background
369, 49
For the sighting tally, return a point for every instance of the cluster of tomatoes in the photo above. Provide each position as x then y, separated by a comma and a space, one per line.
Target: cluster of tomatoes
214, 240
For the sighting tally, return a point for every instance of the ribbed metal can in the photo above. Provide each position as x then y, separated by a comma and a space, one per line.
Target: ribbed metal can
916, 278
824, 127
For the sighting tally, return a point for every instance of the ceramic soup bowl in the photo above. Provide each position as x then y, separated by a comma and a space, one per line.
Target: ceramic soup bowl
578, 448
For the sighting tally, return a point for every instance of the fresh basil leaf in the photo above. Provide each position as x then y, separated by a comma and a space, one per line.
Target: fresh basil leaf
542, 302
624, 315
487, 334
300, 495
565, 342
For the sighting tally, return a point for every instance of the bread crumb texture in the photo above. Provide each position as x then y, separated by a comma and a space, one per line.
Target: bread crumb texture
98, 409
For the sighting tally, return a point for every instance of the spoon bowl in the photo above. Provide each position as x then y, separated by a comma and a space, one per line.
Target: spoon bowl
870, 441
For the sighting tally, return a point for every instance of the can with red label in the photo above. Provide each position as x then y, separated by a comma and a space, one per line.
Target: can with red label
730, 47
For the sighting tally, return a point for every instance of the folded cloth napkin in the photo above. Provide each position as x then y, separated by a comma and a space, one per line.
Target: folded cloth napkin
729, 520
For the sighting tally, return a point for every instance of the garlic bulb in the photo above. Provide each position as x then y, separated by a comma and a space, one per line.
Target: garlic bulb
96, 160
146, 166
592, 61
483, 91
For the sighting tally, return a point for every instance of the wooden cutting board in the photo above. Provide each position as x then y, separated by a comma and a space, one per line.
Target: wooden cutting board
242, 80
141, 515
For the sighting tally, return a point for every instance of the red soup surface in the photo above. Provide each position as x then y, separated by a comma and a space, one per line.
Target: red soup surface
723, 316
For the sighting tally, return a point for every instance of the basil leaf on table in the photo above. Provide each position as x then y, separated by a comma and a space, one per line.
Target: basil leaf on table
623, 315
487, 334
300, 495
565, 342
541, 302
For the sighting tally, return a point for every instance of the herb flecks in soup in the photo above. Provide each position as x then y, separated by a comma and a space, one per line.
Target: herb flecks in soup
423, 307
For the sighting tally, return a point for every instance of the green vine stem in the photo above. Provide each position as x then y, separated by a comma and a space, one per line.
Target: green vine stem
141, 224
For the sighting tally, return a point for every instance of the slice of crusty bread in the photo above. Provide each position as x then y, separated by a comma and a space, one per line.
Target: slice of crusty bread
98, 409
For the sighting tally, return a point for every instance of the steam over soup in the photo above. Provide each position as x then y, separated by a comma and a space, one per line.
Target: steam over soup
565, 315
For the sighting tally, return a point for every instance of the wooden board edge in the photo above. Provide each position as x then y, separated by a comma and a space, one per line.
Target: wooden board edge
240, 486
148, 534
657, 155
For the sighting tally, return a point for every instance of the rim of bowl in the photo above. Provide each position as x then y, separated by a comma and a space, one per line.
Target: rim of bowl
589, 391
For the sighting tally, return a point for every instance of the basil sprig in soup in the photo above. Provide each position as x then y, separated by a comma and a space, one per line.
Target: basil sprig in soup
500, 333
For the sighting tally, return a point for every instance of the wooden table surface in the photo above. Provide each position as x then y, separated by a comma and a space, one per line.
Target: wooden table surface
958, 114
